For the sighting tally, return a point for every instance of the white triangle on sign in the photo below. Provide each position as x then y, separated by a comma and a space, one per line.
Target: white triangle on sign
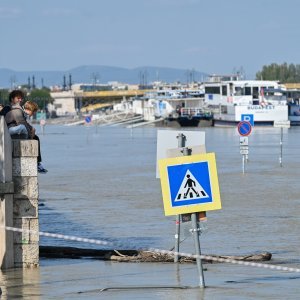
190, 189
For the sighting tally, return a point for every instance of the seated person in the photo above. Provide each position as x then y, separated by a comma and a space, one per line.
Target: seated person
30, 108
16, 117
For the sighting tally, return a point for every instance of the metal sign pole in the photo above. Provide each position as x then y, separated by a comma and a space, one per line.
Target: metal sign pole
196, 231
181, 143
243, 164
281, 144
43, 129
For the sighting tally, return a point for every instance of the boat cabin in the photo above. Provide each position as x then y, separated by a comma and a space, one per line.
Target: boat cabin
244, 92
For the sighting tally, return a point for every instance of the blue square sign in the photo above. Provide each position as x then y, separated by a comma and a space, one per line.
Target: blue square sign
249, 118
189, 184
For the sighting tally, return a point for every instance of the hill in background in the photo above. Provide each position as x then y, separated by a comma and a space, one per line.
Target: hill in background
99, 74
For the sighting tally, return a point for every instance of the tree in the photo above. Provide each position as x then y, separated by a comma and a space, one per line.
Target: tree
4, 96
284, 73
41, 96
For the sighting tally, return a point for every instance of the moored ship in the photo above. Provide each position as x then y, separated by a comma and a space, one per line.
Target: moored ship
265, 101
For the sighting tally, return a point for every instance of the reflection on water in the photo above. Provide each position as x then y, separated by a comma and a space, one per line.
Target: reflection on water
20, 284
102, 185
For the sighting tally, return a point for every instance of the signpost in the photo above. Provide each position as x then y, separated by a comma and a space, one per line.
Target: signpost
88, 122
190, 185
244, 128
182, 150
181, 143
42, 124
281, 125
88, 119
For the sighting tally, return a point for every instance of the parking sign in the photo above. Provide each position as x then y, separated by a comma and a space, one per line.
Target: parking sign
249, 118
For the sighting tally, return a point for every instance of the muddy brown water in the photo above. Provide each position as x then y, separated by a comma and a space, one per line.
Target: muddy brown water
101, 184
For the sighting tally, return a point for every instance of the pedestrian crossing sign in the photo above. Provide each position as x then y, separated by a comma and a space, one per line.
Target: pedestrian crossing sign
189, 184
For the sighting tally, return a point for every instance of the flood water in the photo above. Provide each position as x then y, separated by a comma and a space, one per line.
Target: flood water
101, 184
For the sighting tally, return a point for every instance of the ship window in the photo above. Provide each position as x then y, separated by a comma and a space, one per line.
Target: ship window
247, 90
224, 90
255, 92
238, 91
212, 90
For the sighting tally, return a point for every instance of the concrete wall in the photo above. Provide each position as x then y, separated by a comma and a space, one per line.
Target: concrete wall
19, 202
25, 206
6, 198
64, 103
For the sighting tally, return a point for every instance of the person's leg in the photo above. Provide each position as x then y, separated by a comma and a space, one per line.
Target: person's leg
41, 168
19, 130
39, 158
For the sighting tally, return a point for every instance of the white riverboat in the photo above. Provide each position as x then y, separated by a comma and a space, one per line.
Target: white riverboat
265, 100
183, 106
293, 97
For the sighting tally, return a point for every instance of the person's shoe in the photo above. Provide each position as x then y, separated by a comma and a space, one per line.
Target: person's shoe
41, 169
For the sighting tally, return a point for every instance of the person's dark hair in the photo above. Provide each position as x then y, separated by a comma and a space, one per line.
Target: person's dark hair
15, 93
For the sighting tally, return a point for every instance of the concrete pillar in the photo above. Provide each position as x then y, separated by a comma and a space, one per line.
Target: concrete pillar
25, 206
6, 198
18, 201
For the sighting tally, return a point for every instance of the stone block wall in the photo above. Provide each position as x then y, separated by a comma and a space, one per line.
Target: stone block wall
6, 198
25, 202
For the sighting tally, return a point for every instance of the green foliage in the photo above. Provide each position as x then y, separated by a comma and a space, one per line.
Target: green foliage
284, 73
4, 96
41, 97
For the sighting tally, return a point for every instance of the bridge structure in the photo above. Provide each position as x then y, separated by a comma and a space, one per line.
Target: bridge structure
88, 101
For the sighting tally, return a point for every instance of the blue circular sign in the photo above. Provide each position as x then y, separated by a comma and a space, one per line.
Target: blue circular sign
244, 128
88, 119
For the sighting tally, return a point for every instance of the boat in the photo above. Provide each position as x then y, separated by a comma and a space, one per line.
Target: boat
262, 101
293, 98
224, 101
185, 106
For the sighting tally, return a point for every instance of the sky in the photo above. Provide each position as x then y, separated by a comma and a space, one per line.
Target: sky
211, 36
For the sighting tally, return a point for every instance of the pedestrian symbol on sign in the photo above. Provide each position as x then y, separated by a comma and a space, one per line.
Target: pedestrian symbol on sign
190, 188
190, 183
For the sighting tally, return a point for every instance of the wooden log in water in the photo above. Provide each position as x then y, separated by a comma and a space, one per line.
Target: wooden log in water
136, 256
145, 256
73, 252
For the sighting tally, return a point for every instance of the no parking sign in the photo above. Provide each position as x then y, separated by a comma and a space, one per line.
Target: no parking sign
244, 128
88, 119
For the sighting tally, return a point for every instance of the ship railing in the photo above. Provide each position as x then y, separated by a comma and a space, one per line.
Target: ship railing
193, 112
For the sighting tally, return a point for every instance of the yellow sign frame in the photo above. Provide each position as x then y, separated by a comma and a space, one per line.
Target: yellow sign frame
214, 183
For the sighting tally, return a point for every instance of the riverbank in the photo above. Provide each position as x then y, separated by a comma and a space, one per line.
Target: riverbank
109, 121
